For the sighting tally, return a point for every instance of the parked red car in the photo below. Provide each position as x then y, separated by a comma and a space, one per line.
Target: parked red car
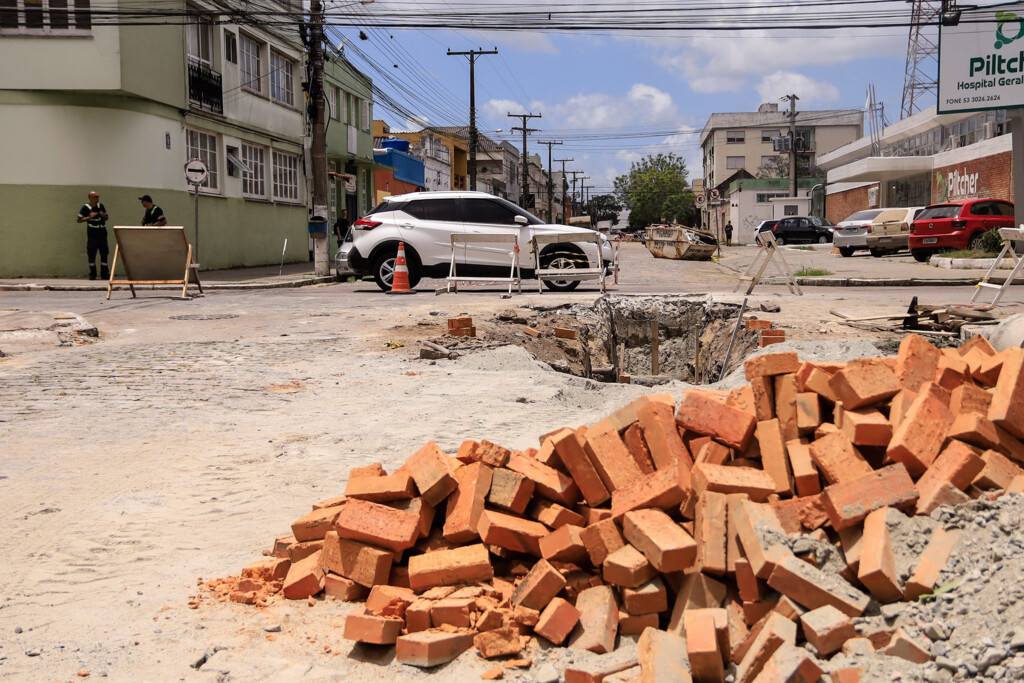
957, 225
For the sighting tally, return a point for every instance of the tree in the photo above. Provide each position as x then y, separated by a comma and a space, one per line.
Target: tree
650, 182
680, 208
778, 167
603, 207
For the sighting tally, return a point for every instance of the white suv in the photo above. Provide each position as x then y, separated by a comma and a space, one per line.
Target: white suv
425, 221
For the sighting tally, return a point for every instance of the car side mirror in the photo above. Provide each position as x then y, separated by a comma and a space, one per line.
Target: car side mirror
520, 220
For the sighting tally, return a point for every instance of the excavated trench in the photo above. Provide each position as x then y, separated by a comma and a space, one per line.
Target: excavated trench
657, 338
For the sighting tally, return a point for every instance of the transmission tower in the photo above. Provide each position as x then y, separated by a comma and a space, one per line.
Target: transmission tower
921, 76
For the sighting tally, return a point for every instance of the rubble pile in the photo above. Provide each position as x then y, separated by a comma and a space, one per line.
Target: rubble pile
760, 534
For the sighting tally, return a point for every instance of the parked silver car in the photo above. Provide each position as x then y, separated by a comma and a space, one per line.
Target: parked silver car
852, 233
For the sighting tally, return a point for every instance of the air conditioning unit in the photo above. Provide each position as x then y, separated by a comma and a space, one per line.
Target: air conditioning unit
954, 141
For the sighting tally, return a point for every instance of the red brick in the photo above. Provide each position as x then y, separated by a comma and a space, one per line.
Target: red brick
663, 542
916, 362
918, 439
662, 657
659, 427
549, 482
866, 427
850, 674
818, 381
299, 551
850, 502
770, 364
786, 405
417, 616
374, 469
768, 341
490, 454
742, 398
877, 569
713, 453
751, 588
564, 544
628, 414
826, 628
498, 643
988, 374
398, 486
763, 391
340, 588
377, 524
305, 578
905, 647
1007, 408
575, 460
314, 525
809, 586
864, 382
466, 504
977, 343
634, 439
510, 490
599, 618
805, 474
661, 489
647, 598
601, 540
776, 632
635, 624
565, 333
557, 621
711, 528
998, 473
975, 429
958, 465
693, 591
931, 562
790, 664
702, 646
760, 534
539, 586
554, 515
389, 601
704, 415
431, 648
450, 567
773, 455
808, 412
281, 544
434, 472
512, 533
837, 459
755, 324
627, 567
969, 398
366, 565
757, 484
612, 460
367, 628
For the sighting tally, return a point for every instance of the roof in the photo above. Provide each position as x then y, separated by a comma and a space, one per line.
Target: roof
462, 132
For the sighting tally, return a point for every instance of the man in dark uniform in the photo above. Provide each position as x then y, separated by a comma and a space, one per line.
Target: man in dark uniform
154, 216
341, 227
94, 215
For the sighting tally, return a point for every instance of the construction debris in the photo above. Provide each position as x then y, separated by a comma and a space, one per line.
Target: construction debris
941, 321
767, 533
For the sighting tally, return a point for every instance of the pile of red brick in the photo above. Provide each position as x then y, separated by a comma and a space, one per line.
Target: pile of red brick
675, 522
767, 334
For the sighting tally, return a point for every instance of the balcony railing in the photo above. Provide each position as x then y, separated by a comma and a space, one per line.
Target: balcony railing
204, 88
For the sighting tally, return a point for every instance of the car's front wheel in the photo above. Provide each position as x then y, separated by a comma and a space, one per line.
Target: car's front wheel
562, 260
780, 240
823, 239
384, 270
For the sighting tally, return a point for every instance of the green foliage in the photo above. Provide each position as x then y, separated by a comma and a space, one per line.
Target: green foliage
649, 183
680, 208
778, 167
991, 242
812, 272
603, 207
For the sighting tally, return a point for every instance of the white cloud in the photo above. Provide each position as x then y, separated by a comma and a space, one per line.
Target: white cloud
643, 104
498, 110
809, 91
416, 122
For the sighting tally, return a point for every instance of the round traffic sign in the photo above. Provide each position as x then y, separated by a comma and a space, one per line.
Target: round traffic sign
699, 200
196, 171
715, 194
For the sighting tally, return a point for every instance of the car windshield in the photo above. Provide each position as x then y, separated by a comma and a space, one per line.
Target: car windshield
941, 211
823, 222
865, 215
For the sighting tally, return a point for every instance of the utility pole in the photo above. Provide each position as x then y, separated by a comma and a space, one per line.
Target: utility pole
321, 245
563, 186
551, 183
526, 163
583, 189
473, 138
792, 144
572, 197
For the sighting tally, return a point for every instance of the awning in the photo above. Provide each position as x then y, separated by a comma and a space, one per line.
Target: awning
880, 169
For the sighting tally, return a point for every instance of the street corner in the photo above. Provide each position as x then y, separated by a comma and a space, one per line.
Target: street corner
21, 331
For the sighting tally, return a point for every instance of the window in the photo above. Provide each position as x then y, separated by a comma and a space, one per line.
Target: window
769, 135
286, 176
45, 17
332, 102
366, 115
254, 184
199, 39
281, 79
230, 47
434, 209
766, 197
486, 211
732, 136
734, 162
203, 146
332, 191
250, 66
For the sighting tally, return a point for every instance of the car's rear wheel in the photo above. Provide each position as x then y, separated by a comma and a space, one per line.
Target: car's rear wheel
846, 251
822, 239
976, 243
878, 253
921, 255
384, 270
562, 259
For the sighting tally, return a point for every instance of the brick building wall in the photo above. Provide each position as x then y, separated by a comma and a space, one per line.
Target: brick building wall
995, 178
840, 205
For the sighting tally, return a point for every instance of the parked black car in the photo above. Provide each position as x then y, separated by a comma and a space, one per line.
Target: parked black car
793, 229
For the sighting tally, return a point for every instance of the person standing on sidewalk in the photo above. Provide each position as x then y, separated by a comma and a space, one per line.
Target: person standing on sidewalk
728, 234
341, 227
154, 216
94, 215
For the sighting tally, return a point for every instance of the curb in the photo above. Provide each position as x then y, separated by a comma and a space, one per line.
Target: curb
872, 282
967, 263
32, 287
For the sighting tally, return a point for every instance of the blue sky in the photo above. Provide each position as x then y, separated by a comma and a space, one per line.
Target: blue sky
609, 85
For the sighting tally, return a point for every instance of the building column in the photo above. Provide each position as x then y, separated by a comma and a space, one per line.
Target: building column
1016, 120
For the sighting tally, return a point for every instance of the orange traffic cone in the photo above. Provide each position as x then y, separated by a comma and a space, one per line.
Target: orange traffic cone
400, 278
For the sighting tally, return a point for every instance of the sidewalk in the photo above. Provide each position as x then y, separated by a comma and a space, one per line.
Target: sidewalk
257, 277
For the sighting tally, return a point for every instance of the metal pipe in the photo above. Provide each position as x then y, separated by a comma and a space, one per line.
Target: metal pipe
732, 340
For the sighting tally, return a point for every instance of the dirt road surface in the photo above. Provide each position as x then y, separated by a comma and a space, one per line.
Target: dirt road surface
185, 437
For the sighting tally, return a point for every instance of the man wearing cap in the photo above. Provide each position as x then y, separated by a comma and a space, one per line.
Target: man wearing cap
94, 215
154, 216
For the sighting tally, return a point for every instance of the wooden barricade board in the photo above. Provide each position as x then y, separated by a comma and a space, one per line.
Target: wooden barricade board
153, 256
